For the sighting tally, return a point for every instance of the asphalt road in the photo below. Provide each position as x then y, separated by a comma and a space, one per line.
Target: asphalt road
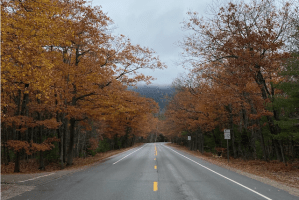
154, 171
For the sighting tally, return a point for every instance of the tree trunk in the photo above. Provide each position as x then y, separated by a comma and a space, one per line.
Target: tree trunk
83, 145
276, 147
263, 145
41, 158
64, 134
5, 152
61, 150
7, 156
201, 142
231, 126
72, 141
273, 129
253, 143
5, 149
78, 143
292, 149
282, 152
59, 118
60, 136
27, 139
270, 149
233, 143
41, 161
240, 149
217, 144
17, 162
133, 140
17, 154
41, 154
23, 109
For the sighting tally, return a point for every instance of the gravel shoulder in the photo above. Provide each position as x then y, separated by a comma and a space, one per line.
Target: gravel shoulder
11, 190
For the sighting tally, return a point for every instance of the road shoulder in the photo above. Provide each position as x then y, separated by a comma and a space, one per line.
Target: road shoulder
223, 163
15, 184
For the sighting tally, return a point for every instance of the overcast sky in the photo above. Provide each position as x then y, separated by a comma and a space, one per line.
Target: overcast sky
155, 24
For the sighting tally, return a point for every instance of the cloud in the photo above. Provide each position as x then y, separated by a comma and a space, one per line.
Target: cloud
155, 24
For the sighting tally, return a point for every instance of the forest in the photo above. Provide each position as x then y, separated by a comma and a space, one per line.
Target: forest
64, 79
244, 77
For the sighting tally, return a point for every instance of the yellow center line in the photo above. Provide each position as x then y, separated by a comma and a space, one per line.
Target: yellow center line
155, 187
155, 166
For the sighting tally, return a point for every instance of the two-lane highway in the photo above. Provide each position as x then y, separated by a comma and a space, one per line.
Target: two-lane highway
155, 171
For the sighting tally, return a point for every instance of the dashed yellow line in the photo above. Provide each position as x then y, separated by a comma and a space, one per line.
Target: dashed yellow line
155, 186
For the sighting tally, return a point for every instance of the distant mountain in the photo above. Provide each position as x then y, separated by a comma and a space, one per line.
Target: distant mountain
157, 93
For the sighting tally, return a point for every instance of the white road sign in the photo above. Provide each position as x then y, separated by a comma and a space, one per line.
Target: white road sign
189, 137
227, 134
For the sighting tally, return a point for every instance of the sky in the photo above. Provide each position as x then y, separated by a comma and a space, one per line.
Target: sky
155, 24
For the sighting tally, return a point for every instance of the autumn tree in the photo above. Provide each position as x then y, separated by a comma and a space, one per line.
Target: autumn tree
25, 63
100, 61
246, 40
62, 69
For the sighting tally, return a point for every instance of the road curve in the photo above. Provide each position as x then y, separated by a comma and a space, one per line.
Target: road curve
154, 171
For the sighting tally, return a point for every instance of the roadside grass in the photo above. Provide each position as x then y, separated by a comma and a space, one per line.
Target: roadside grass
274, 170
31, 166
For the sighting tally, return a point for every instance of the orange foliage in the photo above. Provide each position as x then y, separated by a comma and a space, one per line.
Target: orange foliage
235, 60
69, 66
93, 144
32, 147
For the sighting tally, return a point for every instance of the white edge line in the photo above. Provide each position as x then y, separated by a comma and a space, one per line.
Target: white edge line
129, 154
35, 178
54, 173
122, 152
221, 175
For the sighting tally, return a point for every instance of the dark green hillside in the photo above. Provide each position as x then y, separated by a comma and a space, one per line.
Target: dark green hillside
157, 93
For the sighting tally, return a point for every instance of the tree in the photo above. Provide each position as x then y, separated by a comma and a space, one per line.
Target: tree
25, 61
62, 69
246, 40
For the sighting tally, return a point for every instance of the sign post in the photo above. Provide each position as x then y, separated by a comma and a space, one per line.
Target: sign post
227, 137
189, 141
